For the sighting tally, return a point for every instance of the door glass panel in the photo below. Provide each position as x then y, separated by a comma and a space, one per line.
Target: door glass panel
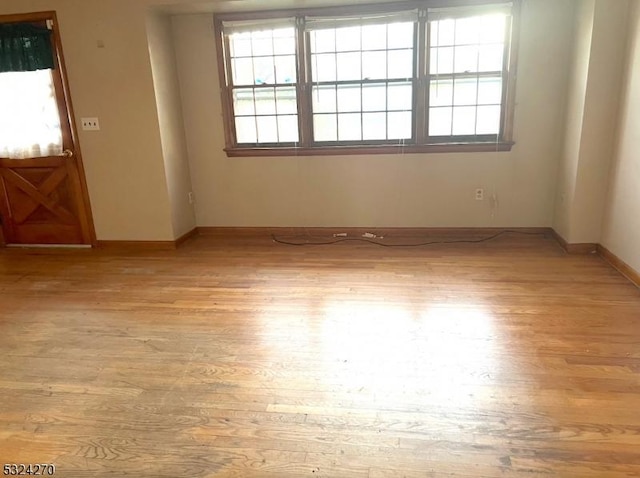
29, 118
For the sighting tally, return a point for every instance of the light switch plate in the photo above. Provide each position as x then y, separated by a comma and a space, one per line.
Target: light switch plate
90, 124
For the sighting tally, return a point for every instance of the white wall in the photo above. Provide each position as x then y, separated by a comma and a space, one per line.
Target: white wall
169, 106
621, 229
592, 112
383, 190
601, 114
576, 95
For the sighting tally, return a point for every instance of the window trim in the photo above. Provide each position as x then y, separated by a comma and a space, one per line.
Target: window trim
421, 142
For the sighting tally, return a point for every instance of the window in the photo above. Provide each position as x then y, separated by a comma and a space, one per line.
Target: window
264, 75
421, 78
362, 82
466, 72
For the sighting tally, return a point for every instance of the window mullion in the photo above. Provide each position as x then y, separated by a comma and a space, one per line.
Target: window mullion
455, 50
509, 75
421, 105
275, 88
361, 88
471, 75
226, 76
303, 91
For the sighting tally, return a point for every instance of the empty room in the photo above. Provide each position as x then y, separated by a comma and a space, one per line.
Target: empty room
313, 238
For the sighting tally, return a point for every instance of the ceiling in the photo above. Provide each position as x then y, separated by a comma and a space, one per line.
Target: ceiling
211, 6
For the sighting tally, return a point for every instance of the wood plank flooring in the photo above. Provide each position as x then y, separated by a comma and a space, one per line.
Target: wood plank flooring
252, 359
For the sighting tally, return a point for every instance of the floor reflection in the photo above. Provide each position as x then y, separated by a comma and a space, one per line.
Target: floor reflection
387, 352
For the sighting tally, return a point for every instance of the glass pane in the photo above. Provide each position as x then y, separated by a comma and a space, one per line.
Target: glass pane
284, 41
488, 120
400, 97
374, 97
350, 127
401, 64
492, 28
464, 120
441, 93
324, 99
440, 121
349, 66
324, 67
264, 70
442, 60
265, 101
491, 57
466, 91
267, 129
490, 91
242, 71
374, 65
240, 44
400, 125
434, 30
466, 59
243, 102
286, 69
349, 98
323, 41
262, 43
325, 127
442, 33
288, 129
374, 37
401, 35
246, 130
467, 31
348, 39
374, 126
29, 118
286, 101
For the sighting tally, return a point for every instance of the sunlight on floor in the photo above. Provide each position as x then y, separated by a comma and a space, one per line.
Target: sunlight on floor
444, 353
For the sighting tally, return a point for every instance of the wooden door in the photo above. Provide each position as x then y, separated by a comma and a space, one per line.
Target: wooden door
43, 199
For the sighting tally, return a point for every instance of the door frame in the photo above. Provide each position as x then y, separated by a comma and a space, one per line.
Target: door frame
85, 215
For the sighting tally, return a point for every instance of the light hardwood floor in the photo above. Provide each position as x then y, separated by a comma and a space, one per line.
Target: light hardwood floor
251, 359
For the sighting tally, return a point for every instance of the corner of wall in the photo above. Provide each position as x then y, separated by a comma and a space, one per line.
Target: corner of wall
171, 122
573, 117
592, 109
621, 223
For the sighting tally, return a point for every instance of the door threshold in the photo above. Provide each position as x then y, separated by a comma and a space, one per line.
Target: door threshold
50, 246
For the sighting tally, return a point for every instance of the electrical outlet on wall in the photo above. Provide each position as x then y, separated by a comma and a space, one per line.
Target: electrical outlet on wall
90, 124
191, 198
479, 194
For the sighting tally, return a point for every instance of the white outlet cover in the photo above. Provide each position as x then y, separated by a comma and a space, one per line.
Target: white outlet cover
90, 124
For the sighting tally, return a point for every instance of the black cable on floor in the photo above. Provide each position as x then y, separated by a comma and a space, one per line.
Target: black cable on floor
430, 243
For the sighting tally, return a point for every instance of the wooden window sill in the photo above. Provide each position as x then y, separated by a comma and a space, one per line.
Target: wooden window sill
239, 152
